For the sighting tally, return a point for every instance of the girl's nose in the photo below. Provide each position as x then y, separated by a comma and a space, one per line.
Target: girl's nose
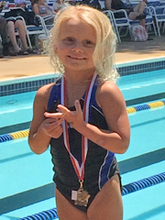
77, 47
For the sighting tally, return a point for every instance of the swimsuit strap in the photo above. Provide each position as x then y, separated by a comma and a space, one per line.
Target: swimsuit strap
55, 93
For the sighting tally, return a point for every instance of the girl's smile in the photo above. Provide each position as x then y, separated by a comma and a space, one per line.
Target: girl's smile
76, 58
76, 45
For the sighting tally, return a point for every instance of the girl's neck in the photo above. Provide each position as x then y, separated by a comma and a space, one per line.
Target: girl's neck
78, 77
76, 86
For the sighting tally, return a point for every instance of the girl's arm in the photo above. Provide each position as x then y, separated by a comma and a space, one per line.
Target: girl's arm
42, 129
110, 99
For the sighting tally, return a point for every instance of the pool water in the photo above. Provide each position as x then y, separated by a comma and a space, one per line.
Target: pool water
142, 84
27, 171
28, 176
16, 108
147, 132
132, 87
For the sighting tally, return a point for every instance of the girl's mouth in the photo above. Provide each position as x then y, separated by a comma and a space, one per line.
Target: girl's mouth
77, 58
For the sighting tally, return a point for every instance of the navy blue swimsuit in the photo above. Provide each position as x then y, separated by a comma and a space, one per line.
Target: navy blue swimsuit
100, 163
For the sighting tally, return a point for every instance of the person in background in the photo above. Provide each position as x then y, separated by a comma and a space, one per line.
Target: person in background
60, 4
41, 8
134, 13
13, 24
83, 117
4, 37
3, 33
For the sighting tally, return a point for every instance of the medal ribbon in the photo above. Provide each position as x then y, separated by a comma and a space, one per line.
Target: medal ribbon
78, 169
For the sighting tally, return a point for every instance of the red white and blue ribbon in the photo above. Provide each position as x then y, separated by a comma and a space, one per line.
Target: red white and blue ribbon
78, 169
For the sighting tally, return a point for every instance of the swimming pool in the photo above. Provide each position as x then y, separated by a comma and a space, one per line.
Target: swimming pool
28, 177
143, 86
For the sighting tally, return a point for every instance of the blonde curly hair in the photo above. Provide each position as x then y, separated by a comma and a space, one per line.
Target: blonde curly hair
105, 40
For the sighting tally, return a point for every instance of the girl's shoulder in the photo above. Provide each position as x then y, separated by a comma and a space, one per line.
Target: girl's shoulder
44, 91
108, 87
42, 96
108, 91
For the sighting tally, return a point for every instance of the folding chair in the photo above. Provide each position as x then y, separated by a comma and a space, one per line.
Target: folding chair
50, 2
43, 28
154, 3
158, 14
149, 23
21, 18
121, 22
162, 3
110, 15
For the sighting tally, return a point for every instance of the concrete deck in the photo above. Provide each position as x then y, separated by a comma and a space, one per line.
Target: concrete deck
12, 67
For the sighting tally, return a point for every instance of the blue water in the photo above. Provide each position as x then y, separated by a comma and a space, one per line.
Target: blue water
142, 84
22, 171
16, 109
147, 204
142, 78
21, 167
27, 171
131, 86
147, 132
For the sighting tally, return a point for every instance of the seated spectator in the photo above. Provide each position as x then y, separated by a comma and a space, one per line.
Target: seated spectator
17, 24
59, 4
41, 8
134, 13
3, 33
92, 3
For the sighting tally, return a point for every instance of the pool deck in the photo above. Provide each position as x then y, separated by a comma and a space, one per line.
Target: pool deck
127, 51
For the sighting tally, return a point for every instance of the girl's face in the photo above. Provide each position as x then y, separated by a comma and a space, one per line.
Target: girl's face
76, 45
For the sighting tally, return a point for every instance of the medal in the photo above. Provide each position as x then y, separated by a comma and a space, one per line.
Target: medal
80, 196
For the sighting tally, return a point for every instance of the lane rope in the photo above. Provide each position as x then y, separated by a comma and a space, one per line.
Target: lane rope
143, 183
127, 189
145, 106
24, 133
15, 135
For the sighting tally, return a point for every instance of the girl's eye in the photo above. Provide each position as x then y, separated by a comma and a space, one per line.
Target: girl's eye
68, 40
88, 43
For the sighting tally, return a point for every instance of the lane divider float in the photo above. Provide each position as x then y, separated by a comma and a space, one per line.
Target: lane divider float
127, 189
145, 106
15, 135
24, 133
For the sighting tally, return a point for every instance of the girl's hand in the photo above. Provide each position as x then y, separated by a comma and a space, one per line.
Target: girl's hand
52, 127
74, 118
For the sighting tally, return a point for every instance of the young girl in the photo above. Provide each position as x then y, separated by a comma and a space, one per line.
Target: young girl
89, 124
